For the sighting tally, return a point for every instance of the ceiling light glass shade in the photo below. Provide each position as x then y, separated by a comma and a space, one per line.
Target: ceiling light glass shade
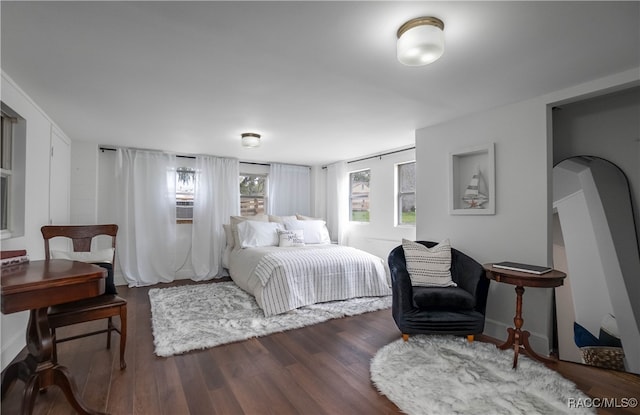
420, 41
250, 139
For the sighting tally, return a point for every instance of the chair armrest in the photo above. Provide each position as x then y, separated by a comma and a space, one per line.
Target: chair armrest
470, 276
401, 287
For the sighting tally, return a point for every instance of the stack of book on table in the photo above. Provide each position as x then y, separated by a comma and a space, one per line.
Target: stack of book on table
517, 266
8, 258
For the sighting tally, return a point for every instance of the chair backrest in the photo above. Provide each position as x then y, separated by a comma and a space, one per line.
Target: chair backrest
80, 235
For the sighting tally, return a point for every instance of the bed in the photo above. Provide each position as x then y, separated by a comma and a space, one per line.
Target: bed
284, 277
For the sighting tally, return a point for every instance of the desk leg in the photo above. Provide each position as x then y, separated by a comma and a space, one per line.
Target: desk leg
38, 370
515, 334
519, 338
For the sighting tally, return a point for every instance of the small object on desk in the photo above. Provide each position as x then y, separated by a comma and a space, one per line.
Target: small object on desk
517, 266
13, 253
14, 257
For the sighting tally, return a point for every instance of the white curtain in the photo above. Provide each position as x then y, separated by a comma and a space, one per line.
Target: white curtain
289, 189
146, 215
216, 197
337, 201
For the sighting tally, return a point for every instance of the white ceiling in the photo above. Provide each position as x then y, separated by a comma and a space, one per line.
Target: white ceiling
318, 80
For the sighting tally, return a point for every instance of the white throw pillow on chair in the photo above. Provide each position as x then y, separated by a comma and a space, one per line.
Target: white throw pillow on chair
428, 267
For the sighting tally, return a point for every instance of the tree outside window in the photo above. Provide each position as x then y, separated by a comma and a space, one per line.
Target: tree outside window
359, 195
253, 191
407, 193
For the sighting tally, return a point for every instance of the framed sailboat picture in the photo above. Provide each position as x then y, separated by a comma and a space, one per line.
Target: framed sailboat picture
472, 181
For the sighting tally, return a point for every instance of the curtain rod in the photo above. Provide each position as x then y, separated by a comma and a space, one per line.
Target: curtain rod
104, 148
381, 155
377, 155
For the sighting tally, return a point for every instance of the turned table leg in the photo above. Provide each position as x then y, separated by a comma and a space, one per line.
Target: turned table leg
38, 370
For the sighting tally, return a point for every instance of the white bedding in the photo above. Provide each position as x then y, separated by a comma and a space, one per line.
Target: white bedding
283, 279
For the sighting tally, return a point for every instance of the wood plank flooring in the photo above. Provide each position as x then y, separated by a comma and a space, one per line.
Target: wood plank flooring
321, 369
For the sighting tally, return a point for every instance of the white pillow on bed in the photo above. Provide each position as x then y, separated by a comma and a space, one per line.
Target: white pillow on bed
253, 233
291, 238
280, 219
315, 231
235, 220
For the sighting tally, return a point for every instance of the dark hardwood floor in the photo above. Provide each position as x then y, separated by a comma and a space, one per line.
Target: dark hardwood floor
322, 369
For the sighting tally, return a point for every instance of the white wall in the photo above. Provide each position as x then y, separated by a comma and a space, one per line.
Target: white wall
38, 142
381, 234
521, 228
84, 183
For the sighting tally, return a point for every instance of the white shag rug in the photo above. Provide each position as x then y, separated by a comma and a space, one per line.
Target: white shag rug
431, 375
192, 317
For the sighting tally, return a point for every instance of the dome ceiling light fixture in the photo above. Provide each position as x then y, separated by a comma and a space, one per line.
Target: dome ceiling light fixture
250, 139
420, 41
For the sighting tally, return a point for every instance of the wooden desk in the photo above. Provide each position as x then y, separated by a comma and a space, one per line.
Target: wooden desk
517, 337
35, 286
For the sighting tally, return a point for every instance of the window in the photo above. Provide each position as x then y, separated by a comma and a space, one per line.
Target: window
359, 195
253, 194
185, 190
6, 142
406, 209
13, 156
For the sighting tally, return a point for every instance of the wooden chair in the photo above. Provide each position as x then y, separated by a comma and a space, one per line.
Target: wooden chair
104, 306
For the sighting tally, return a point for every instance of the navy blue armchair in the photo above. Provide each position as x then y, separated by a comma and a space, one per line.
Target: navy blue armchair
439, 310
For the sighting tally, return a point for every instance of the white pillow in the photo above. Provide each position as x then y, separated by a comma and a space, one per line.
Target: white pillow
291, 238
302, 217
235, 220
428, 267
100, 255
280, 219
315, 231
253, 233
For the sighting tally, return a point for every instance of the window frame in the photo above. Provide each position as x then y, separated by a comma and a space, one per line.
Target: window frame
400, 194
6, 173
351, 197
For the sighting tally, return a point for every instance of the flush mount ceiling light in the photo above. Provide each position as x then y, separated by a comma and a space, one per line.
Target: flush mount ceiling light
250, 139
420, 41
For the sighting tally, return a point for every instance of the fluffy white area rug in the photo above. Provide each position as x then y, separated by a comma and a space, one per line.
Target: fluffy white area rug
431, 375
199, 316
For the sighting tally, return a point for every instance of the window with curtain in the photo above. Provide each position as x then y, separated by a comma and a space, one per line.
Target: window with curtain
253, 194
289, 189
216, 198
359, 195
185, 190
406, 197
146, 216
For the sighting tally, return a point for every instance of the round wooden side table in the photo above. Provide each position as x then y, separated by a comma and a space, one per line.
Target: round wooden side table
519, 338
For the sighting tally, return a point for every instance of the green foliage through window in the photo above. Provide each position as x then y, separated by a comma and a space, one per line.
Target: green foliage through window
407, 194
359, 185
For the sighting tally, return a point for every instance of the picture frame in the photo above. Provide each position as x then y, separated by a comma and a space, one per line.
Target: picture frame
472, 181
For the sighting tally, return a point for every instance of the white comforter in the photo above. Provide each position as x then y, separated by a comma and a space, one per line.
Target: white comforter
283, 279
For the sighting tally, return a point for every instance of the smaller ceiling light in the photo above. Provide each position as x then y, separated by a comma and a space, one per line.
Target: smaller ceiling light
250, 139
420, 41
